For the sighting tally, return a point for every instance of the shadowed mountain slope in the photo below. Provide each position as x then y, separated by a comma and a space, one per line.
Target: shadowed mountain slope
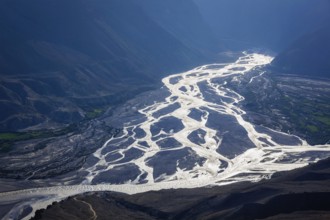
60, 59
271, 24
309, 55
183, 20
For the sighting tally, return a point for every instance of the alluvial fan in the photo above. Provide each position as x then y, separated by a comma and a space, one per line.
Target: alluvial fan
198, 132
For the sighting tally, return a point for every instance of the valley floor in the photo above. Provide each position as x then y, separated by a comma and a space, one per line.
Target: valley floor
300, 194
207, 127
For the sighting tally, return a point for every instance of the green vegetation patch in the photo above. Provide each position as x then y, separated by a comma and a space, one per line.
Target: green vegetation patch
312, 128
94, 113
9, 138
324, 119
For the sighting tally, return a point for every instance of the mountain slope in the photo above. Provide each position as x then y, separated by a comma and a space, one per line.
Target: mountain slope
60, 59
271, 24
183, 20
309, 55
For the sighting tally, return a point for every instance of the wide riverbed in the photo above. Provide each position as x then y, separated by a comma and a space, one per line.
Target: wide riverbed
191, 133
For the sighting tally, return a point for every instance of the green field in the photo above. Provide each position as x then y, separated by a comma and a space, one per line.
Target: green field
7, 139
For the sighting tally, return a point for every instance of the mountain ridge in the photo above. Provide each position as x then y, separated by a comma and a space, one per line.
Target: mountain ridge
56, 67
309, 55
272, 24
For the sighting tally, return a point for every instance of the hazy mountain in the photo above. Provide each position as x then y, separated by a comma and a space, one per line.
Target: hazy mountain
271, 24
60, 59
183, 20
309, 55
